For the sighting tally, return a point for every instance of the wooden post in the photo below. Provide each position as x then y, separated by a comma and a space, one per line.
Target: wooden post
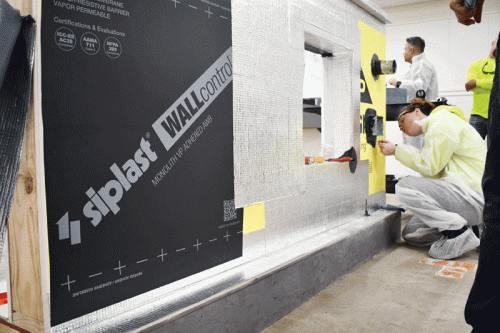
23, 224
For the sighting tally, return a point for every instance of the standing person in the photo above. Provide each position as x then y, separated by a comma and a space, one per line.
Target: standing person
483, 304
480, 81
421, 76
447, 200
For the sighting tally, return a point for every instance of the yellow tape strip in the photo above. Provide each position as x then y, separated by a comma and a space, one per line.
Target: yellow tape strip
254, 218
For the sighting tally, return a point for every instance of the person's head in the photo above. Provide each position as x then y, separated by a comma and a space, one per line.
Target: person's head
493, 51
417, 110
413, 47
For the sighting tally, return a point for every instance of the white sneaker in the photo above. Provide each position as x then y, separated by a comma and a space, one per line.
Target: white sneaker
446, 248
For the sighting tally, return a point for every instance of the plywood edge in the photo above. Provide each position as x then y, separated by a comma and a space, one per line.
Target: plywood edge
24, 249
26, 323
6, 327
40, 166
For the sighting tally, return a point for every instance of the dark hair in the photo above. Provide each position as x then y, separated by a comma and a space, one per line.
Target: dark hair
418, 103
424, 105
416, 42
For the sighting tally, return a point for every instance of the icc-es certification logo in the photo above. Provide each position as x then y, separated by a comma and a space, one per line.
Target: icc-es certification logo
65, 39
90, 43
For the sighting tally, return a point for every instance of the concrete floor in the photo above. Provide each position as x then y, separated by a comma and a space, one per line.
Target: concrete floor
393, 292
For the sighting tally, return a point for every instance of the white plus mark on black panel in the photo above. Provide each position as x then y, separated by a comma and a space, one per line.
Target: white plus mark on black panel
68, 282
162, 255
208, 12
119, 268
197, 245
227, 236
175, 2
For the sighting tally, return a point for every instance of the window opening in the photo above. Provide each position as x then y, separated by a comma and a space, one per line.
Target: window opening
313, 94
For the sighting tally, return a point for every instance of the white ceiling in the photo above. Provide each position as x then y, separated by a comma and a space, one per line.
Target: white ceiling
395, 3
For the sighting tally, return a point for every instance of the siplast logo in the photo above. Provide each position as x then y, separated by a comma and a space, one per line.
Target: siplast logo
169, 127
106, 199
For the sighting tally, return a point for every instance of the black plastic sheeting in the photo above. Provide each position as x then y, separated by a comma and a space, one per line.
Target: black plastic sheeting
14, 105
10, 24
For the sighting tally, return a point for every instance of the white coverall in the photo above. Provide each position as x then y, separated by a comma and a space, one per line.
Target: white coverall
449, 195
421, 76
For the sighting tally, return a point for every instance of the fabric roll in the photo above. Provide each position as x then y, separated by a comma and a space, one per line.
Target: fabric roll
10, 25
14, 105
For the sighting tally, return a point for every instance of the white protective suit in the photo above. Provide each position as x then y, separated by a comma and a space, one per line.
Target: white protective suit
449, 195
421, 76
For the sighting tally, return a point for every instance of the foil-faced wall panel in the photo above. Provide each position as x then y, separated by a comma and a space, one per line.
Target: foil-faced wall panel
325, 204
264, 55
263, 52
301, 201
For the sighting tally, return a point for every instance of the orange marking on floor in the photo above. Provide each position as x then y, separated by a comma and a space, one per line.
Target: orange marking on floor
452, 272
470, 267
450, 269
434, 262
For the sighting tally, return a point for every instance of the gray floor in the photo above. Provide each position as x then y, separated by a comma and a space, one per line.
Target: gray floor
394, 292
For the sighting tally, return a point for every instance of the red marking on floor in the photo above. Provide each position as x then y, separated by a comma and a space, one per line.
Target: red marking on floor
3, 298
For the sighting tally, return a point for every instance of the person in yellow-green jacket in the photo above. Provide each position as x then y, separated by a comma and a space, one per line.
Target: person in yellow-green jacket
447, 200
480, 81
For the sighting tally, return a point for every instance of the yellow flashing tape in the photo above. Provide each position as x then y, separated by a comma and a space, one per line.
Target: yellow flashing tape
373, 96
254, 218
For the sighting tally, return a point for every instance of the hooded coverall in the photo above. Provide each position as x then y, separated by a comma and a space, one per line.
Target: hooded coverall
449, 195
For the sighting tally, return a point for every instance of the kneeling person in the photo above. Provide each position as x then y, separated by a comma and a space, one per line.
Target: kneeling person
447, 201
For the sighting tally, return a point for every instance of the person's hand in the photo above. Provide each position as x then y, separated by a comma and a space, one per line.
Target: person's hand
387, 147
393, 82
465, 15
471, 84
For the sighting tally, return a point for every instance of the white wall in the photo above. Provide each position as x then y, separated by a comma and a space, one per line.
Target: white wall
450, 46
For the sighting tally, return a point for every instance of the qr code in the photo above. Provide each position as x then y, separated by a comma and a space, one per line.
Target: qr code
229, 210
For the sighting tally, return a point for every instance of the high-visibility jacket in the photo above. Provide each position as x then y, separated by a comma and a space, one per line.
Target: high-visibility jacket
483, 72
